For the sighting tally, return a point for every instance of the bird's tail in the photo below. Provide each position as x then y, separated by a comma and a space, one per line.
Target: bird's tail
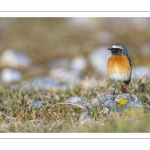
123, 87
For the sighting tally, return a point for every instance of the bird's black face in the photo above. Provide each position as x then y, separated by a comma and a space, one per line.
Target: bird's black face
116, 51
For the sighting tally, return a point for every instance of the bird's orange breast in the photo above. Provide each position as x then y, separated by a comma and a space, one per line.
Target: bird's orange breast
119, 68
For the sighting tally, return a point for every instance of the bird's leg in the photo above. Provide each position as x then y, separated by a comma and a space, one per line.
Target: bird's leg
123, 87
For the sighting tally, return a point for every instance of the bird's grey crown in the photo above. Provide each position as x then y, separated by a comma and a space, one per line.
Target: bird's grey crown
120, 46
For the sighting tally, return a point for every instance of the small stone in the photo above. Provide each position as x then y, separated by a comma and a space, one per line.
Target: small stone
76, 100
43, 83
109, 104
64, 75
85, 118
91, 104
10, 75
65, 70
36, 104
79, 63
95, 101
11, 58
88, 104
99, 58
140, 72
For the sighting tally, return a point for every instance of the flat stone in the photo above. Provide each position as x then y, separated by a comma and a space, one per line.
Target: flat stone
37, 104
76, 100
11, 58
122, 102
79, 63
10, 75
67, 70
140, 72
64, 75
43, 83
89, 104
85, 118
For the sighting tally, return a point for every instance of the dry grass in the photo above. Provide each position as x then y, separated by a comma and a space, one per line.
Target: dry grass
44, 39
59, 116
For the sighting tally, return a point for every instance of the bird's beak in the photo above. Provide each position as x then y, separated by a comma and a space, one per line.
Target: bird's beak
109, 48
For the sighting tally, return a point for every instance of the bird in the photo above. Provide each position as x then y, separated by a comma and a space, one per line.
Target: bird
119, 66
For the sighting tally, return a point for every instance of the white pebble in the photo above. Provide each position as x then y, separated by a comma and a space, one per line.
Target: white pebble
11, 58
10, 75
79, 63
99, 58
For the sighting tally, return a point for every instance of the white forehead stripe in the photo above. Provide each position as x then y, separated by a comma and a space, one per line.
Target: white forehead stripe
114, 46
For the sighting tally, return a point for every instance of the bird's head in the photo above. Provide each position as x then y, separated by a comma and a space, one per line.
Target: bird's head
118, 49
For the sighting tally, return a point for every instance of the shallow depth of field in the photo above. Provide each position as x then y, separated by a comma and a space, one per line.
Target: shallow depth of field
53, 72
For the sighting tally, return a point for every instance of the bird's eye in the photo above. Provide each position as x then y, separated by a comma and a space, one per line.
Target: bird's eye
114, 50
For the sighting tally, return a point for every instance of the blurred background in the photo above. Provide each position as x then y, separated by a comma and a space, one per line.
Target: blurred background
69, 49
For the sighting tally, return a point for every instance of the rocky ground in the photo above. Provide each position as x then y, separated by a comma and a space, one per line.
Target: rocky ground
54, 79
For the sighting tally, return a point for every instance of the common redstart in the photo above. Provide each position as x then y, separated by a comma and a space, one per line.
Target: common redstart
119, 66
